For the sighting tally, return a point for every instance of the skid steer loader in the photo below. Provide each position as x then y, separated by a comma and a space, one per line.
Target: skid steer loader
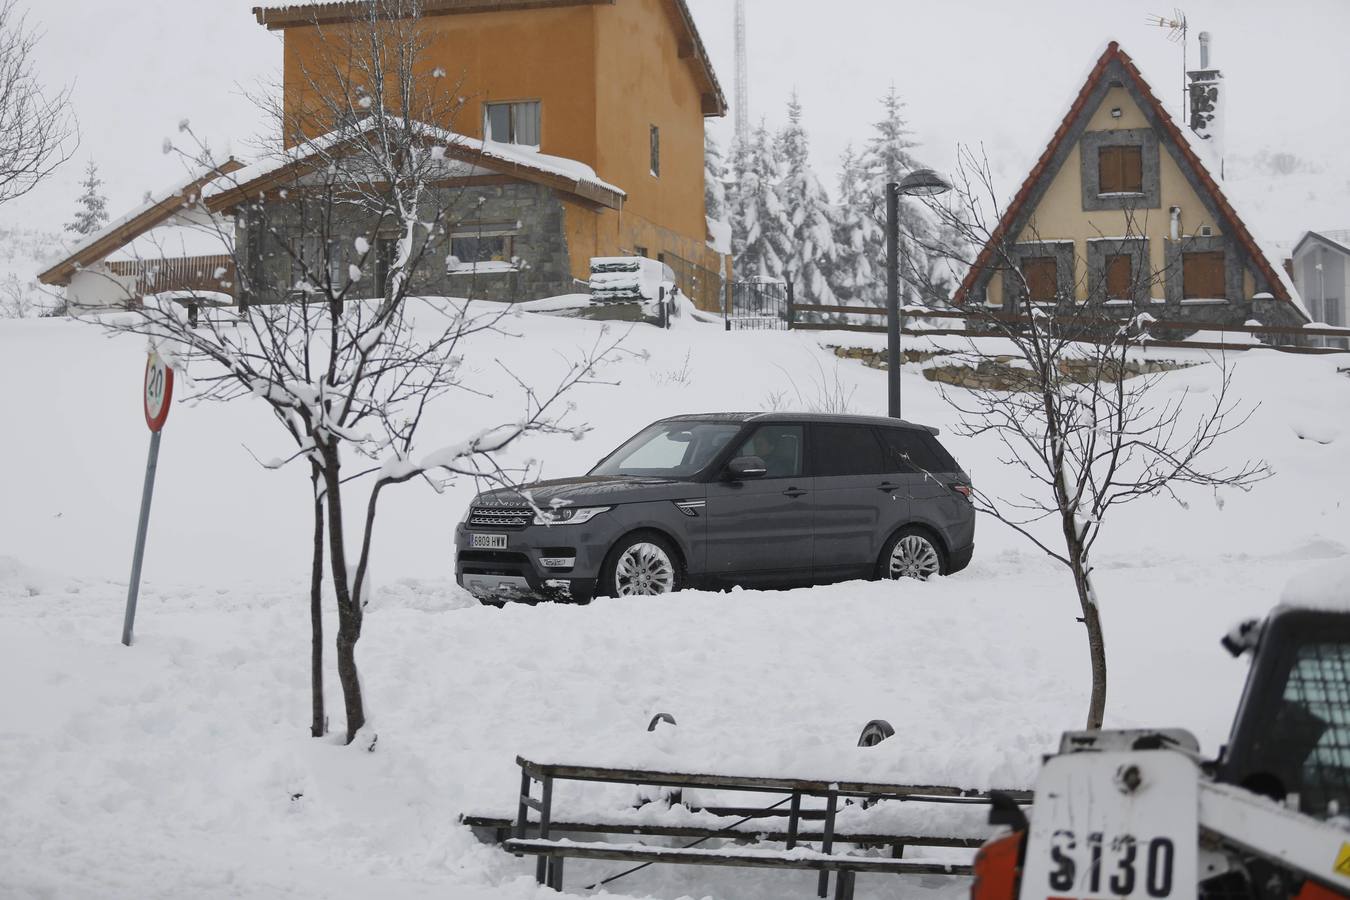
1140, 814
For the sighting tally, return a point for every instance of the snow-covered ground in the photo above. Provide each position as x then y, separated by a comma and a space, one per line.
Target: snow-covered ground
182, 766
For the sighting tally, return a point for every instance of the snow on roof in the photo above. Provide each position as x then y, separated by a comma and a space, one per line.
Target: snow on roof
507, 158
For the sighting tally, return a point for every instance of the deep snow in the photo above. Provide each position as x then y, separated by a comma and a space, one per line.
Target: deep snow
172, 768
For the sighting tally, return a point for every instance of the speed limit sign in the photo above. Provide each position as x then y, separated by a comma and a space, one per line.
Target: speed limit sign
158, 391
156, 397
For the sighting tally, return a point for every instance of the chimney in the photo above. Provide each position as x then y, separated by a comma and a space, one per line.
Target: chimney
1206, 95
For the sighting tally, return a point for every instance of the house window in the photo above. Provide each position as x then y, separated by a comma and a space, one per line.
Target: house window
1120, 170
656, 151
1332, 313
1042, 276
512, 123
483, 247
469, 252
1119, 277
1202, 276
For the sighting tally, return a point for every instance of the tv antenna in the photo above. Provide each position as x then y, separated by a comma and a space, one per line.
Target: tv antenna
1177, 29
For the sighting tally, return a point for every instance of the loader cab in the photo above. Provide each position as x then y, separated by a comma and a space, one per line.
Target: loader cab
1291, 738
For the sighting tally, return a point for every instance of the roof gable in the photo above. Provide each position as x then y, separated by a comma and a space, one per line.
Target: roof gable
1115, 68
320, 12
1322, 239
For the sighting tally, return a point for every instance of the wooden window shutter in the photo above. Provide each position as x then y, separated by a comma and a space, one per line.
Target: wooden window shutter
1042, 275
1132, 169
1119, 278
1108, 170
1202, 276
1120, 170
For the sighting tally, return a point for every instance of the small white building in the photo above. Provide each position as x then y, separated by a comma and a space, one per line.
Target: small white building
1321, 264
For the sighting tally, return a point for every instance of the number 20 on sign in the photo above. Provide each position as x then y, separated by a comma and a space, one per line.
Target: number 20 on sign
156, 396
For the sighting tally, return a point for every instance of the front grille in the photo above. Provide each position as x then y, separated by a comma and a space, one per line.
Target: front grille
493, 562
501, 516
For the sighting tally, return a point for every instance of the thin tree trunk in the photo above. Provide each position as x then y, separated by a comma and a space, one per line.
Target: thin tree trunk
1092, 621
349, 609
319, 726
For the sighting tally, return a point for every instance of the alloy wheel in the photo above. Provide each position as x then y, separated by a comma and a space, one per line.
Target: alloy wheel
644, 570
914, 556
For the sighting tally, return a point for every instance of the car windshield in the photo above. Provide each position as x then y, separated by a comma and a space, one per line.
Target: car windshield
669, 450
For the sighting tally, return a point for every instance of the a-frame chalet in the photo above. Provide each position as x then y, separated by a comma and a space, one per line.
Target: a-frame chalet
1121, 209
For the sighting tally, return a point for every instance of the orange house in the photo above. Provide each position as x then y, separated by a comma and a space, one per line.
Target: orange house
622, 86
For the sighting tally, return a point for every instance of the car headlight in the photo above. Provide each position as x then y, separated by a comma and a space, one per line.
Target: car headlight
569, 515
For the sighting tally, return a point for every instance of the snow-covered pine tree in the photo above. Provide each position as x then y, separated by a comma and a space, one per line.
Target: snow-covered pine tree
806, 245
714, 179
856, 235
91, 209
887, 158
756, 212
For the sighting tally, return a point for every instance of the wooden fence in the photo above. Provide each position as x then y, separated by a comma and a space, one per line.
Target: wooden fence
796, 310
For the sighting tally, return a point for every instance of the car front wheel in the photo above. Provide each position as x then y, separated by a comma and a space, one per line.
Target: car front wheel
643, 565
912, 554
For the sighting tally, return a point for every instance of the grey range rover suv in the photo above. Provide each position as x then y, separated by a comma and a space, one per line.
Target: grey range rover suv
711, 501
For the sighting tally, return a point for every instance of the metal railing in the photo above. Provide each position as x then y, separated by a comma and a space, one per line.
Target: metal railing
758, 306
703, 286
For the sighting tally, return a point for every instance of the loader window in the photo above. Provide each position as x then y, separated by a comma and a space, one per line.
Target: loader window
1317, 710
1306, 744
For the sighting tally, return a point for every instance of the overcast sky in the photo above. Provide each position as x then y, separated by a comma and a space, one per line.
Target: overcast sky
971, 71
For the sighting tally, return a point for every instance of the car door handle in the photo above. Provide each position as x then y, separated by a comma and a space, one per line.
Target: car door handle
887, 488
794, 493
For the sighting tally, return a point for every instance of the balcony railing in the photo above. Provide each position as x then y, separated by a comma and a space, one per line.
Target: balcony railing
183, 273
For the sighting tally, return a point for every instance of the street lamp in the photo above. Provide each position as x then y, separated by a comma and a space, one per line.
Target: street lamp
919, 183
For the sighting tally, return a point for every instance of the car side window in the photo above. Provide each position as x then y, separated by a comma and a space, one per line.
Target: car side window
780, 446
840, 450
912, 451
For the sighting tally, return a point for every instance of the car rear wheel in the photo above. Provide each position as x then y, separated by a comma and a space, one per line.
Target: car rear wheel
643, 565
912, 553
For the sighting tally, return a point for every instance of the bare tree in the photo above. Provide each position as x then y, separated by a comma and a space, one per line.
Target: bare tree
330, 332
1065, 394
37, 129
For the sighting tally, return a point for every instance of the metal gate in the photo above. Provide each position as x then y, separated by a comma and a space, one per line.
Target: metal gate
758, 306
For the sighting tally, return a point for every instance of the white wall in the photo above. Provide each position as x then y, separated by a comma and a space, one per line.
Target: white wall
96, 287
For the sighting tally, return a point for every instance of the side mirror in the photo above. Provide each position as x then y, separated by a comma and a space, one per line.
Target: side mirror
743, 467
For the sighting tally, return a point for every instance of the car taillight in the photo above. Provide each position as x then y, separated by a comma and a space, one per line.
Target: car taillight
964, 490
998, 869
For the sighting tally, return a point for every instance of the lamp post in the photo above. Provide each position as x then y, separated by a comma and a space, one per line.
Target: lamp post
919, 183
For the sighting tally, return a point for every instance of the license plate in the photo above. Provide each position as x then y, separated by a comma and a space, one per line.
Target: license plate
487, 541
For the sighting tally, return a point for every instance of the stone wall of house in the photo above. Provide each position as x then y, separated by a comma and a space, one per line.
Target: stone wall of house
533, 213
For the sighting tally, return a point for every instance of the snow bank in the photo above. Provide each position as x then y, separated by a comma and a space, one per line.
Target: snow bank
182, 766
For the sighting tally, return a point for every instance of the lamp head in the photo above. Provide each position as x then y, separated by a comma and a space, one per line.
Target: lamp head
924, 183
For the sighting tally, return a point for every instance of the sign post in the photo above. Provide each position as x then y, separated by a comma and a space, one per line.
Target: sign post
158, 394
